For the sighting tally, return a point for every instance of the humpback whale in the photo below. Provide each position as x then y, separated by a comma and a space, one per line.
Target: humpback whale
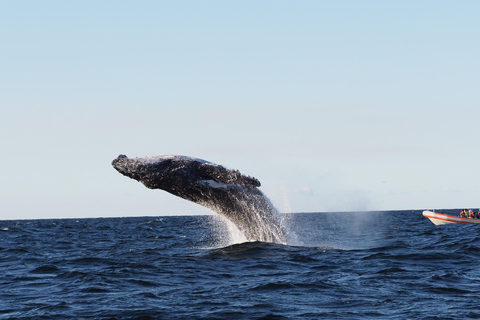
228, 192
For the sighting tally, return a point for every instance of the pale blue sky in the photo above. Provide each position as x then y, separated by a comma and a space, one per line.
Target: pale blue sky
332, 105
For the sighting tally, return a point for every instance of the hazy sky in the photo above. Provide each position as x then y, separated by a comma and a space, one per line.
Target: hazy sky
332, 105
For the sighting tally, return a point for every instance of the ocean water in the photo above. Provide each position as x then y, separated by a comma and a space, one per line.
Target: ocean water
362, 265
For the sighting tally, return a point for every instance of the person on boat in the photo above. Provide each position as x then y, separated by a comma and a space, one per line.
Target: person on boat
478, 214
471, 214
463, 213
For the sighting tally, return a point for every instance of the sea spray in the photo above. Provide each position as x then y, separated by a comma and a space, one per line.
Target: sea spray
227, 231
291, 237
338, 230
223, 232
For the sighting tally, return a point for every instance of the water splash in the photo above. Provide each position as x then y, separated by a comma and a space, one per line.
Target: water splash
225, 233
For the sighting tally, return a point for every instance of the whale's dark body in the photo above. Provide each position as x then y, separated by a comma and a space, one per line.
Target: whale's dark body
225, 191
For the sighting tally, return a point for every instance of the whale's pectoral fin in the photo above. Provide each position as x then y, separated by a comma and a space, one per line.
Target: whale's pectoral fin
223, 175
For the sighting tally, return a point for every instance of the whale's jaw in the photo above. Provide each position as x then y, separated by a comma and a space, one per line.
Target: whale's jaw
225, 191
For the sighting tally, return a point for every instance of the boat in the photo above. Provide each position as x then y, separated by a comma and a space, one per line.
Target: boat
441, 218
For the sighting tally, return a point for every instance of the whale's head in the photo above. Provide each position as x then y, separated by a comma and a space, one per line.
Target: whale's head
153, 172
170, 171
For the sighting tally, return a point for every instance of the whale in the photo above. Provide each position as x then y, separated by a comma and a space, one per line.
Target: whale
225, 191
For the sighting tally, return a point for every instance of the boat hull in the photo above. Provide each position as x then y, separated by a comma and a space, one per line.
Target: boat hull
440, 218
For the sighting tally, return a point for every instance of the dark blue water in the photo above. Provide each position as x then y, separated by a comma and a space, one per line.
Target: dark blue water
374, 265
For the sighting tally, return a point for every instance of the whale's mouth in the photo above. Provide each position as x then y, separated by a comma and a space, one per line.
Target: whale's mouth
121, 164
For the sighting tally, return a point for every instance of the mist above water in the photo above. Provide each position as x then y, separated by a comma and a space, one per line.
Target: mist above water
333, 230
337, 230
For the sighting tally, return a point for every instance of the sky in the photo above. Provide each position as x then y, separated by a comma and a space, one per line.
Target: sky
332, 105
